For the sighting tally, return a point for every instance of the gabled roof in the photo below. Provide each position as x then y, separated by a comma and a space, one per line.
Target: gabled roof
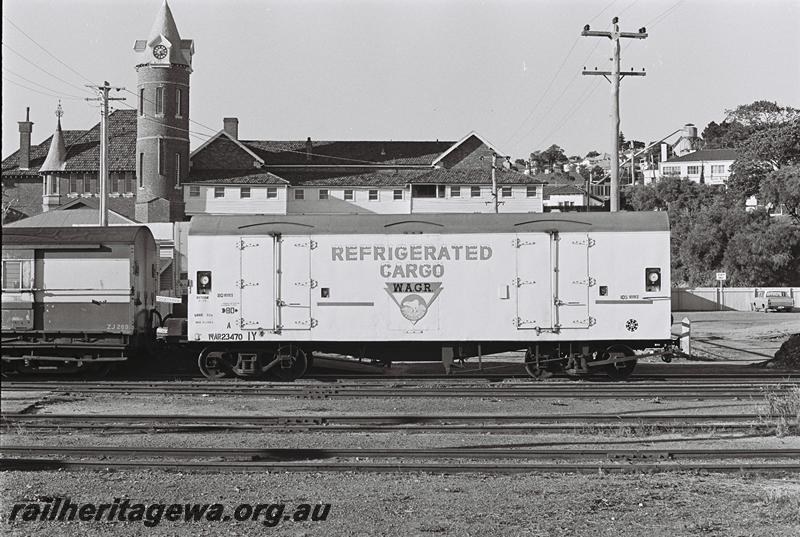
235, 177
358, 179
461, 141
706, 155
82, 216
83, 148
224, 135
474, 176
347, 153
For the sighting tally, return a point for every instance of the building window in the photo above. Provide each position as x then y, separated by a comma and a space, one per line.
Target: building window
76, 184
177, 170
178, 109
671, 170
505, 191
373, 195
693, 170
161, 153
12, 275
89, 183
531, 191
244, 192
141, 102
455, 191
718, 168
194, 191
323, 193
348, 195
219, 192
130, 178
440, 191
272, 192
299, 194
423, 191
475, 192
141, 170
159, 101
397, 195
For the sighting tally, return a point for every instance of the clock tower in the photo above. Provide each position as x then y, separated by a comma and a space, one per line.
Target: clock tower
163, 66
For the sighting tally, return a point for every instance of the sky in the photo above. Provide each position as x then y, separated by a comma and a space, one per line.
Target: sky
411, 69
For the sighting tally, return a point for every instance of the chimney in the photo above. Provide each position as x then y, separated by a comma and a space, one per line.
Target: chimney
309, 145
231, 127
25, 129
663, 152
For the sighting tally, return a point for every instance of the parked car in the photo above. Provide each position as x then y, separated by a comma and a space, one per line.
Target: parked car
772, 300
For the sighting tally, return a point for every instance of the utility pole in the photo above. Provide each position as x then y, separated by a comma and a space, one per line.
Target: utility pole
494, 180
633, 161
104, 89
616, 75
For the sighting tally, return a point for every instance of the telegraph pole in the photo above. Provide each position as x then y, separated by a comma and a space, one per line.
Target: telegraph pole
616, 75
494, 180
104, 89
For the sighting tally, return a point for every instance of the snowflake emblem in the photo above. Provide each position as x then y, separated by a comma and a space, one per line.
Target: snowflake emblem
632, 325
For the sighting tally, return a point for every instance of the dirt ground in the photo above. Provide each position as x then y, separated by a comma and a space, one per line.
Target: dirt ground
598, 505
738, 335
684, 504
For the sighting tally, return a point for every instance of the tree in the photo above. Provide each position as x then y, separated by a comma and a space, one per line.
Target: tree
764, 151
782, 188
725, 135
553, 155
591, 154
745, 120
762, 114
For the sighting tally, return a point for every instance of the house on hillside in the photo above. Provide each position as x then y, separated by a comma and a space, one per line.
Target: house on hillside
709, 166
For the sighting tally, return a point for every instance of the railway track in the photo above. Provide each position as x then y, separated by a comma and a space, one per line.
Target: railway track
448, 460
376, 423
461, 389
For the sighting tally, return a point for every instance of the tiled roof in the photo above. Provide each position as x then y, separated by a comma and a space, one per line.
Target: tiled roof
83, 148
235, 177
342, 153
475, 177
561, 178
563, 190
122, 205
706, 155
375, 178
84, 216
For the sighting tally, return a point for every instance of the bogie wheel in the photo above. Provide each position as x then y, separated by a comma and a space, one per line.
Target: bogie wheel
292, 363
619, 370
534, 368
215, 364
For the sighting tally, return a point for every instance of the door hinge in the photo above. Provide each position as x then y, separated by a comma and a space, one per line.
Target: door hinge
312, 244
520, 282
243, 284
517, 243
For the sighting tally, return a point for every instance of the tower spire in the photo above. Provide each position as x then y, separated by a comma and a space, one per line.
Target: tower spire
56, 159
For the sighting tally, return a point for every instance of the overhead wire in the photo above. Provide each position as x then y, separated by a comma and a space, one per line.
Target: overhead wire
39, 91
555, 76
65, 95
45, 71
45, 50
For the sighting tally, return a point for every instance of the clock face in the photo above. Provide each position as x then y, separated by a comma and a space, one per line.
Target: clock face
160, 52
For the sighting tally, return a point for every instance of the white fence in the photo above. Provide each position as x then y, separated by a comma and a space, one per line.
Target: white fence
729, 298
